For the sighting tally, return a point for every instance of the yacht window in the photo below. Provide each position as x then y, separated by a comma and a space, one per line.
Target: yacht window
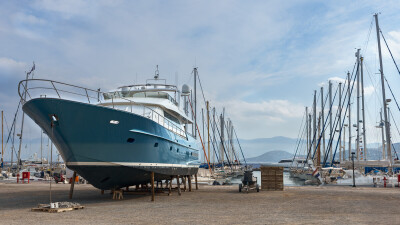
171, 117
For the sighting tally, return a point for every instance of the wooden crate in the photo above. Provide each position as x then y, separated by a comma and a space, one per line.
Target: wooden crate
272, 178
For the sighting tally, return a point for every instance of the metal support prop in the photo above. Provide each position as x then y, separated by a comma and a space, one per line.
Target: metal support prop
71, 190
190, 182
179, 185
152, 187
184, 183
195, 179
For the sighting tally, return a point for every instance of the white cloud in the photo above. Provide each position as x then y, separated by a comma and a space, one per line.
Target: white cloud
9, 67
369, 90
28, 19
279, 109
394, 43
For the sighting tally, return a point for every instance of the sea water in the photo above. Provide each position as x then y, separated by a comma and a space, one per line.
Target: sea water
287, 180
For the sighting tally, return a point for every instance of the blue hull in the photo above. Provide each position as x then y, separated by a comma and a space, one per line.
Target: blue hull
113, 155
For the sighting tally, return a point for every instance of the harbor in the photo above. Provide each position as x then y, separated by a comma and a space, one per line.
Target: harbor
143, 116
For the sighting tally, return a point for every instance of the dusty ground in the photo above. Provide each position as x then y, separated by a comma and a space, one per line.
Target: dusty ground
209, 205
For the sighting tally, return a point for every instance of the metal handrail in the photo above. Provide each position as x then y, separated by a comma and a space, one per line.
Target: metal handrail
170, 126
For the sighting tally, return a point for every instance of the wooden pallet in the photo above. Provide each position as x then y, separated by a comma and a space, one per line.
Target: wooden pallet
58, 210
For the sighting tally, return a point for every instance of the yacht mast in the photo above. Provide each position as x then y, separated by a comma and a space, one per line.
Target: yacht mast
208, 131
322, 115
309, 133
318, 155
387, 128
330, 120
2, 149
308, 143
315, 121
222, 137
195, 100
358, 106
381, 125
363, 109
349, 115
340, 122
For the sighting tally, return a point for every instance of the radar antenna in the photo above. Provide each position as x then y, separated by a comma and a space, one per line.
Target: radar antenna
157, 74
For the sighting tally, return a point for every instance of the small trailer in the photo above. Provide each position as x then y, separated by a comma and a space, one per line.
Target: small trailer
249, 182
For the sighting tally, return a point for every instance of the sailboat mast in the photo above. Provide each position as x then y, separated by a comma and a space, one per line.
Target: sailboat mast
318, 155
2, 149
308, 143
322, 115
195, 100
340, 122
222, 138
358, 106
309, 132
208, 131
202, 124
330, 120
363, 109
315, 121
349, 115
213, 127
387, 128
383, 138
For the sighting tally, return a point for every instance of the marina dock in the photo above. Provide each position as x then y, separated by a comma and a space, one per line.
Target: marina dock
208, 205
199, 112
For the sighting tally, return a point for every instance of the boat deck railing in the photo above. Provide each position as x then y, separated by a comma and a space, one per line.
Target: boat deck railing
27, 88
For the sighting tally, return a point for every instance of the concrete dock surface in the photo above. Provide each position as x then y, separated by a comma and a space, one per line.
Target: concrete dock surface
208, 205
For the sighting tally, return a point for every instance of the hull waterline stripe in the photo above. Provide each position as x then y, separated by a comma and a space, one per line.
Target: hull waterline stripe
130, 164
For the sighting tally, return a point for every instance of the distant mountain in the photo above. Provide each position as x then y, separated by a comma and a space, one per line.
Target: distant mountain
256, 147
271, 157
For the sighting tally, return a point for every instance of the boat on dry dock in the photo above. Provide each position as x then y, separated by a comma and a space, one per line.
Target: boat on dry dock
118, 138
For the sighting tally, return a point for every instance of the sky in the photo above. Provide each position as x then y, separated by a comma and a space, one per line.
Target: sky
261, 60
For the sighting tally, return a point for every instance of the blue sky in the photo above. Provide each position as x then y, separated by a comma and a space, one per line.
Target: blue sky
260, 59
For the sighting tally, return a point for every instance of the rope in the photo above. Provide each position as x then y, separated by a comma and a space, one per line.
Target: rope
299, 136
208, 162
397, 132
389, 51
223, 146
233, 150
344, 118
392, 93
234, 131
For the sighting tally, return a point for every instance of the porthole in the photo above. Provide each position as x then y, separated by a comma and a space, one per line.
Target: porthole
156, 144
170, 148
130, 140
177, 150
